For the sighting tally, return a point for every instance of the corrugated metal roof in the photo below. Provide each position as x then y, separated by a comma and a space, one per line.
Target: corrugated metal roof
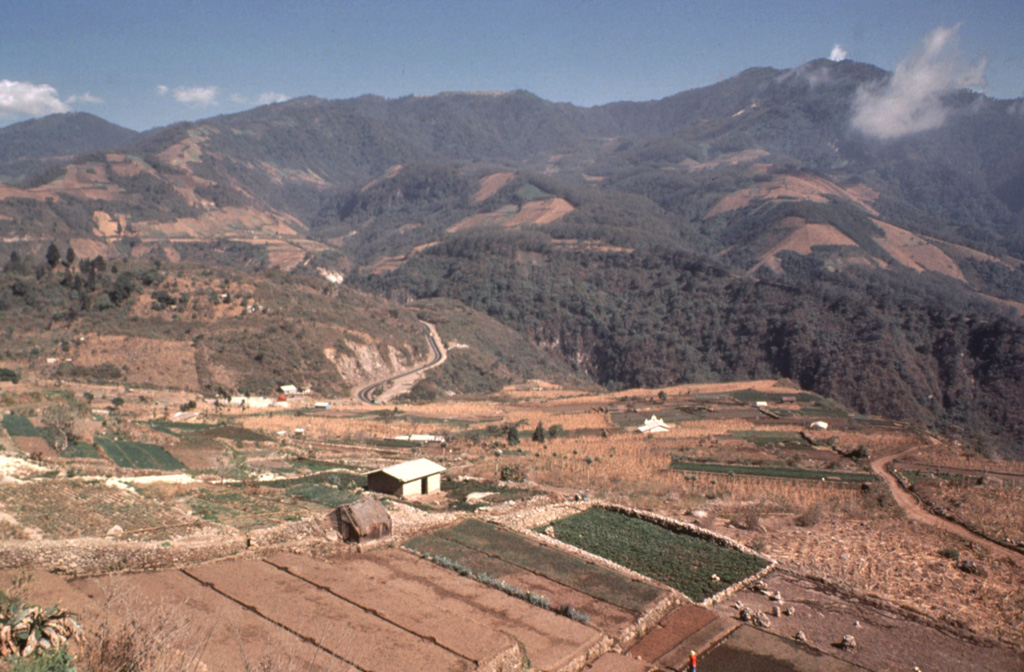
412, 470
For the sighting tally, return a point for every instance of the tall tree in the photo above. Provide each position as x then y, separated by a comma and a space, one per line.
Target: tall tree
52, 255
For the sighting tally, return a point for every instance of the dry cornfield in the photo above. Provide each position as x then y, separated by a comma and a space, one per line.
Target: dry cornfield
898, 560
997, 511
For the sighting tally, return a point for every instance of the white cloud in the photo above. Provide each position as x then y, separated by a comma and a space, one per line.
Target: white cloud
838, 54
911, 100
29, 99
84, 98
269, 97
198, 96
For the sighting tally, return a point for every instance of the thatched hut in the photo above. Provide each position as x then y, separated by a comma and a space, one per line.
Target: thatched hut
362, 520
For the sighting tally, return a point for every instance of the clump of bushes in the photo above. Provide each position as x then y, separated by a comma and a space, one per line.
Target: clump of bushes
809, 517
513, 472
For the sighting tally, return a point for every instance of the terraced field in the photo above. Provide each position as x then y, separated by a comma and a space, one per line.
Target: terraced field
609, 600
388, 612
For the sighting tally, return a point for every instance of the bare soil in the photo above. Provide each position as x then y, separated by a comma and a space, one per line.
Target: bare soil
387, 611
680, 623
889, 638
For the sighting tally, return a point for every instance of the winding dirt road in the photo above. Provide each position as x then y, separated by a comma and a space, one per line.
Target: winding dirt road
915, 511
365, 394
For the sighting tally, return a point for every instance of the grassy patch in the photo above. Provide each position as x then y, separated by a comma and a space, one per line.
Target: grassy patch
458, 491
916, 476
311, 465
240, 509
137, 455
343, 480
84, 451
684, 562
750, 396
773, 472
176, 428
232, 433
765, 438
325, 495
19, 425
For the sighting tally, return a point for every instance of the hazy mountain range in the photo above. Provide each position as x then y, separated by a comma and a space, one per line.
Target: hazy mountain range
836, 224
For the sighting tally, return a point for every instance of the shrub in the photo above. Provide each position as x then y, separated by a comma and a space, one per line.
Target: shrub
572, 613
810, 516
9, 375
513, 472
950, 553
749, 518
52, 660
538, 433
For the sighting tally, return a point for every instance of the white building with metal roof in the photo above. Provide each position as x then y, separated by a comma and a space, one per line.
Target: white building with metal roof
416, 477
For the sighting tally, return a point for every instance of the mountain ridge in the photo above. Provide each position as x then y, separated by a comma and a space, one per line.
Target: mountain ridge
754, 191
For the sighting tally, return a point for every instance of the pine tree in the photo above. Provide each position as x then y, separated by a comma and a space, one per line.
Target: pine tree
538, 433
52, 255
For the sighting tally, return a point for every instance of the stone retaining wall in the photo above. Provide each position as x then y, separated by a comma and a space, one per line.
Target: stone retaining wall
93, 556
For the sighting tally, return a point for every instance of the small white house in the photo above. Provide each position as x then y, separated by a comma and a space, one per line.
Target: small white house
818, 424
416, 477
289, 389
653, 425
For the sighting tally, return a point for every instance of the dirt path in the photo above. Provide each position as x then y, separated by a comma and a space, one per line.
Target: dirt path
404, 381
915, 511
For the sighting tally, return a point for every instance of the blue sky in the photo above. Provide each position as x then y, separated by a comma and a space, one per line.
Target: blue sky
147, 63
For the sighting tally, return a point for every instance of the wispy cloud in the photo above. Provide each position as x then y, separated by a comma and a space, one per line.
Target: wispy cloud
197, 96
911, 100
29, 99
268, 97
84, 98
838, 54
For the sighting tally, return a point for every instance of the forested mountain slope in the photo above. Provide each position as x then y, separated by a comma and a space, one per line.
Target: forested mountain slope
760, 226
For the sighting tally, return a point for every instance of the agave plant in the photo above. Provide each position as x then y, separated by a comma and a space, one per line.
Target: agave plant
26, 629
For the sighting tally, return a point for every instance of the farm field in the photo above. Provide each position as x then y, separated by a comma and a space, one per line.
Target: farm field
607, 599
747, 472
696, 567
774, 472
390, 612
136, 455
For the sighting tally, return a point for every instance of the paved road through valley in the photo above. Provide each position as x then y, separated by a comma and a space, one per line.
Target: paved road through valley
365, 394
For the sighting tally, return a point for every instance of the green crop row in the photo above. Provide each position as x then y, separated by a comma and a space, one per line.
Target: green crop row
774, 472
685, 562
19, 425
598, 582
760, 438
137, 455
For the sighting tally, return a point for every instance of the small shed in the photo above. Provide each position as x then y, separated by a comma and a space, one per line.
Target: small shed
361, 520
416, 477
